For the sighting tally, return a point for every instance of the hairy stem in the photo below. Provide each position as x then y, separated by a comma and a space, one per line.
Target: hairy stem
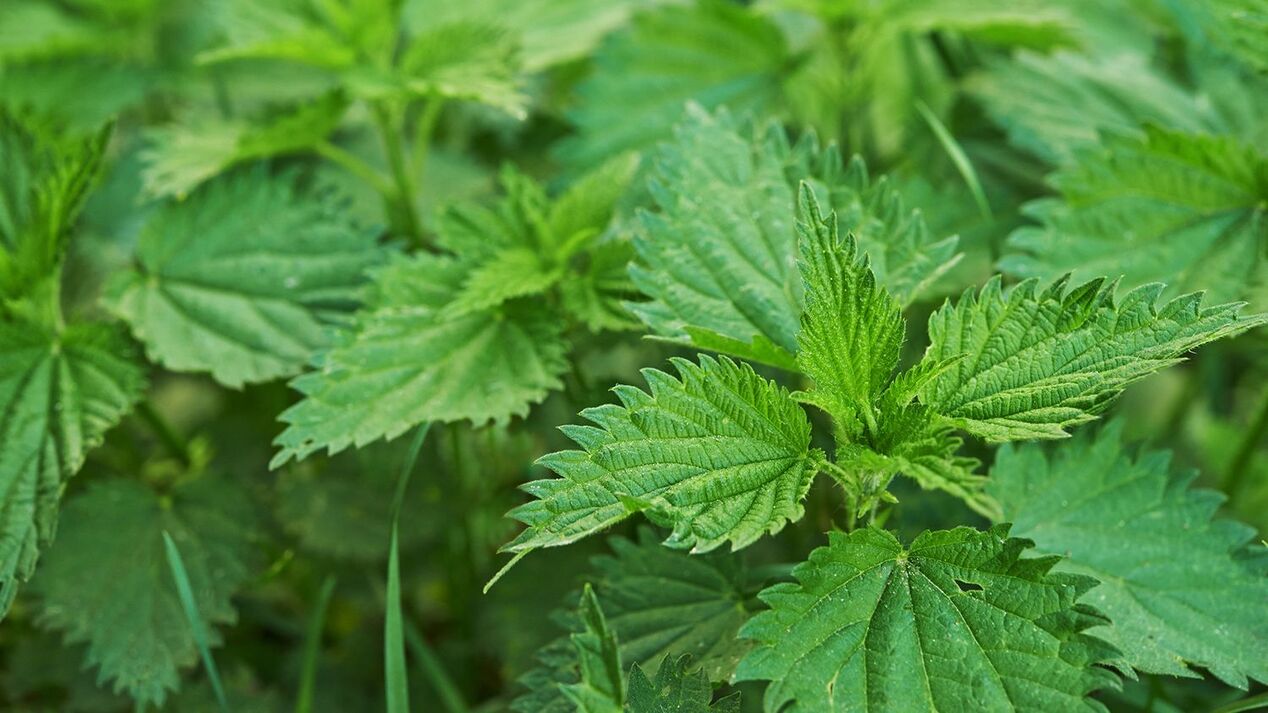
406, 188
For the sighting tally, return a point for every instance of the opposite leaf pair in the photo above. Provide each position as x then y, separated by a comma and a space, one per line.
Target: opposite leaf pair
721, 454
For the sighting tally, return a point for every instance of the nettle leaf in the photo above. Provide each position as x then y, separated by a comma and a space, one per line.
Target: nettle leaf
409, 359
550, 31
59, 394
718, 260
852, 329
1187, 209
46, 179
711, 52
1033, 362
330, 35
243, 279
1238, 26
662, 604
467, 60
106, 582
676, 691
182, 156
601, 688
1180, 587
719, 454
1058, 105
958, 620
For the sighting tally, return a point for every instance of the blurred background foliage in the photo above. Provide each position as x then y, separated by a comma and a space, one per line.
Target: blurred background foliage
989, 117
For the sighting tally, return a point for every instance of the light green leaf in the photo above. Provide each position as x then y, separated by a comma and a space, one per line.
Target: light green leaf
1181, 588
956, 621
59, 394
242, 279
183, 155
45, 181
408, 360
602, 687
331, 35
596, 295
661, 603
464, 60
1238, 26
1034, 362
1185, 209
550, 31
676, 691
851, 329
718, 260
719, 454
1057, 105
135, 628
81, 94
711, 52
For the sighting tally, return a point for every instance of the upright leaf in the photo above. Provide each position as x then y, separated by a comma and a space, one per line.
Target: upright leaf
956, 621
602, 687
243, 279
1180, 587
408, 359
852, 329
718, 260
712, 52
135, 628
1033, 362
59, 394
676, 691
719, 454
1188, 209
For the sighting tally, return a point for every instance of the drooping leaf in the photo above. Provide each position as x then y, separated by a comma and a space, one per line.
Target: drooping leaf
135, 628
1181, 208
662, 604
59, 394
1058, 105
1033, 362
242, 279
1180, 587
711, 52
957, 621
601, 688
408, 360
851, 329
676, 691
183, 155
718, 260
718, 454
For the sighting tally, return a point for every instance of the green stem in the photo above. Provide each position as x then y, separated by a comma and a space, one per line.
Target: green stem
353, 164
435, 671
423, 132
1240, 465
406, 190
1246, 704
171, 440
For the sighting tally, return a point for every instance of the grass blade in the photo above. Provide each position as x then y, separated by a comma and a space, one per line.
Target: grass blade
186, 594
435, 671
312, 647
959, 158
396, 678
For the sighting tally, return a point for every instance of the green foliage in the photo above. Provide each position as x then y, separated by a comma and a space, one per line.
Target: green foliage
1184, 208
676, 691
135, 628
602, 687
59, 394
718, 454
1180, 588
711, 52
1037, 361
409, 358
244, 279
959, 618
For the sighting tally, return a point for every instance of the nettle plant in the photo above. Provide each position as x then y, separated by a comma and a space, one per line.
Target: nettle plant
719, 454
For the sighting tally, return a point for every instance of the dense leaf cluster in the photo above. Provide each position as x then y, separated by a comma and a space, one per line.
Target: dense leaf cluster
294, 293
